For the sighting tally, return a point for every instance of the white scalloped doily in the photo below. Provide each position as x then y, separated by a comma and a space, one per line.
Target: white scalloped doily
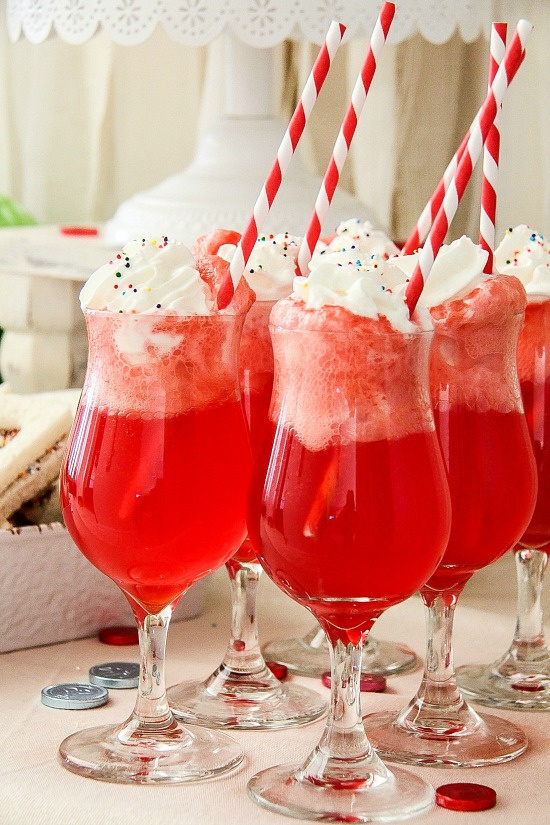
256, 22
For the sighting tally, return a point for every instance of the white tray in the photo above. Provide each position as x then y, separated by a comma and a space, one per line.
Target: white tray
49, 592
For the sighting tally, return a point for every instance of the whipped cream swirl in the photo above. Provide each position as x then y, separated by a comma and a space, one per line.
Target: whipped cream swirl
149, 276
371, 285
354, 237
457, 270
366, 287
525, 254
271, 267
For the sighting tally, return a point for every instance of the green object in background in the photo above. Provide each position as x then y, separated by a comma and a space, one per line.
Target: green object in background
13, 214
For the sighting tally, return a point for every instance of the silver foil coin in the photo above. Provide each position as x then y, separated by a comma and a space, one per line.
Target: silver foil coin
74, 696
115, 675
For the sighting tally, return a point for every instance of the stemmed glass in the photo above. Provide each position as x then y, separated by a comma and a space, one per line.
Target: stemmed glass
351, 517
492, 479
308, 655
153, 489
521, 678
242, 692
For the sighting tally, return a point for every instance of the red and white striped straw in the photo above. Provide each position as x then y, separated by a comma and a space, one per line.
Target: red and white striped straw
480, 129
428, 214
345, 136
491, 153
285, 152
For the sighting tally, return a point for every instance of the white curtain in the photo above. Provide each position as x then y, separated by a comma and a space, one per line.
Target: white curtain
85, 127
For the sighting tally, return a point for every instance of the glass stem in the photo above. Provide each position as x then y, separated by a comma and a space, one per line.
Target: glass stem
243, 654
344, 758
529, 644
152, 705
151, 713
438, 708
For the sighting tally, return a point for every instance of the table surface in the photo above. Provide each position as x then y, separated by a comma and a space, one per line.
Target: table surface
35, 789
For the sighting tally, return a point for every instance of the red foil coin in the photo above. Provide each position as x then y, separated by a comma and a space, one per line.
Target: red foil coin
528, 687
278, 670
119, 635
370, 682
466, 796
78, 230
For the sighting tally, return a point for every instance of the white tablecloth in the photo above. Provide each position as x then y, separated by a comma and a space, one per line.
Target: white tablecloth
36, 790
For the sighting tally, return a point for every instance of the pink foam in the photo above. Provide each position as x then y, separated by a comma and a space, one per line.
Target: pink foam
255, 350
475, 345
534, 342
344, 378
161, 365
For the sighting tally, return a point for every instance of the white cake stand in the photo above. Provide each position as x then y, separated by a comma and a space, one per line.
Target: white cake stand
220, 186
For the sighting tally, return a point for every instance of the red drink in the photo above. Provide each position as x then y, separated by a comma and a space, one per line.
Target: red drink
350, 512
154, 480
256, 379
534, 374
242, 692
148, 467
485, 445
256, 371
270, 272
156, 474
256, 407
353, 515
520, 679
481, 428
352, 519
491, 488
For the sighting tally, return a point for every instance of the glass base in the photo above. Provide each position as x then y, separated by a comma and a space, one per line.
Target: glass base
124, 754
308, 655
527, 688
245, 701
396, 796
491, 741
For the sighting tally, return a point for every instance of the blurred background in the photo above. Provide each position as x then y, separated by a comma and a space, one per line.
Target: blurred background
85, 127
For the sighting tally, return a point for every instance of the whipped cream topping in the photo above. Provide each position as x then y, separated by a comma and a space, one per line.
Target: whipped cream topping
372, 285
366, 287
457, 270
354, 236
151, 277
271, 267
525, 254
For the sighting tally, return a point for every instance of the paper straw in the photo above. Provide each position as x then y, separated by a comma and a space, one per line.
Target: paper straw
345, 136
428, 214
480, 129
491, 152
284, 155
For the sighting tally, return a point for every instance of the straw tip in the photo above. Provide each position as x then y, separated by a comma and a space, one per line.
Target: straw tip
387, 13
524, 27
336, 26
